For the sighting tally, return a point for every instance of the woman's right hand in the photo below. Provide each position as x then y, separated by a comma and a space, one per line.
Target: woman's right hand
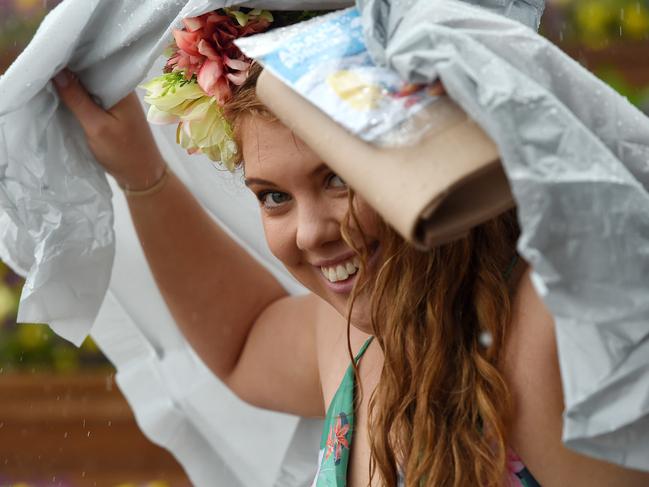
120, 138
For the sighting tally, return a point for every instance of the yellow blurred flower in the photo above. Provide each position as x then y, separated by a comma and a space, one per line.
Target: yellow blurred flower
636, 21
7, 303
594, 19
31, 336
25, 6
89, 346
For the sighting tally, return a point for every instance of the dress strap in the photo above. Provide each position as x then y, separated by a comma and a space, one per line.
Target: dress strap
362, 350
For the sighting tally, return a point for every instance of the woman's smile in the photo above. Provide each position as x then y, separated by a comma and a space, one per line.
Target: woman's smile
339, 275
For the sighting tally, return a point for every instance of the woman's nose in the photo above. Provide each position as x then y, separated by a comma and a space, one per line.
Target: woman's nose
316, 226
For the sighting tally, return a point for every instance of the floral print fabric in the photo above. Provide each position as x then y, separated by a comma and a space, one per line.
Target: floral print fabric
337, 439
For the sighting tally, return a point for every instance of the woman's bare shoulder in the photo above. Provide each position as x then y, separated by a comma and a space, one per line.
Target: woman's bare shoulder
531, 368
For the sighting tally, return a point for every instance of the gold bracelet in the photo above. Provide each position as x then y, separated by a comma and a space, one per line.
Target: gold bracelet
157, 186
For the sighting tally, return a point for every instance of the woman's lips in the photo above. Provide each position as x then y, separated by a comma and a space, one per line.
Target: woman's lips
346, 286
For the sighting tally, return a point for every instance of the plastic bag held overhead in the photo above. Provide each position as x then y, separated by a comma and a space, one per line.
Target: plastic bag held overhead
576, 155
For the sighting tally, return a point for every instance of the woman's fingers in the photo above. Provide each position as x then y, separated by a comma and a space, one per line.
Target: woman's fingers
75, 97
119, 138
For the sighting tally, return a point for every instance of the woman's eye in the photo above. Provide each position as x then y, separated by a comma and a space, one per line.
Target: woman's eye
272, 199
337, 182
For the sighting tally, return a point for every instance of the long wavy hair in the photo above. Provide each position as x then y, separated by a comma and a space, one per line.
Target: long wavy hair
440, 317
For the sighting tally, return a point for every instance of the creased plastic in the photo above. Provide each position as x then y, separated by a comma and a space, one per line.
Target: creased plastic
577, 157
55, 201
325, 60
56, 228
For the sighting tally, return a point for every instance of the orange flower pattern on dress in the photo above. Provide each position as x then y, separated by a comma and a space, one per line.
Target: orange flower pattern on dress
337, 439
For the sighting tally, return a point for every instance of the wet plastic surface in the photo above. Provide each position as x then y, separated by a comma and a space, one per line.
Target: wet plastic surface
577, 157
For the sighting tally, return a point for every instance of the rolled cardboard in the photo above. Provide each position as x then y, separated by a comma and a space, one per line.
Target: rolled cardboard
431, 192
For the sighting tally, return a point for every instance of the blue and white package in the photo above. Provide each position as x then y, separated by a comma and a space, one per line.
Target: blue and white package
326, 61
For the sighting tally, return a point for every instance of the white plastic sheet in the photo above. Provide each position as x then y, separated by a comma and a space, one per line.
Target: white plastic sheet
56, 227
577, 157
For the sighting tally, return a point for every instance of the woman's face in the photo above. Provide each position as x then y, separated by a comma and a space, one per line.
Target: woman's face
302, 206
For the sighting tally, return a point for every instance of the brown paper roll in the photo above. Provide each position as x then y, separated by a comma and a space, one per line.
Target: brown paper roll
431, 192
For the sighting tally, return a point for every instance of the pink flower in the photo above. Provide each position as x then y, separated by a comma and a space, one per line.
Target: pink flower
205, 49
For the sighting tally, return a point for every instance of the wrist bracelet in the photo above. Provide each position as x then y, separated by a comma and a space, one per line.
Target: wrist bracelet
157, 186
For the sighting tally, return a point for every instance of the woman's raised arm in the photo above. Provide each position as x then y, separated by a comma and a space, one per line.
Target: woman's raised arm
214, 289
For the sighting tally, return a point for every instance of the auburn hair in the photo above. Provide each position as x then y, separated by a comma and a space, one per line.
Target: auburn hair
440, 317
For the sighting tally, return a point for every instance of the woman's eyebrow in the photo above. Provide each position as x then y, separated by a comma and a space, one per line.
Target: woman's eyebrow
250, 181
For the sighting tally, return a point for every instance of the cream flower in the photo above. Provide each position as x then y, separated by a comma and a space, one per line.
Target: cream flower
201, 125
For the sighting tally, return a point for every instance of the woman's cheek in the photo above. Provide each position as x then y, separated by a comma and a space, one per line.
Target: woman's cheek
281, 240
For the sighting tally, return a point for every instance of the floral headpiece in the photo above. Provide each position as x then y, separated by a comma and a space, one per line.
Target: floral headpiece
203, 68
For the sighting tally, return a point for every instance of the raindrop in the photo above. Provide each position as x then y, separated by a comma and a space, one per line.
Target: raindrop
84, 422
88, 434
486, 339
65, 435
2, 424
110, 423
83, 474
109, 383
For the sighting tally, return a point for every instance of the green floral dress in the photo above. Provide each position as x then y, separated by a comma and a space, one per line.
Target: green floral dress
337, 439
338, 430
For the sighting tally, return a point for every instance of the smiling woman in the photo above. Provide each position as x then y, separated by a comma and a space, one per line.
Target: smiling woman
459, 366
317, 227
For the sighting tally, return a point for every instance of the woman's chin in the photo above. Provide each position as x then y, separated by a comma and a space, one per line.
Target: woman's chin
360, 318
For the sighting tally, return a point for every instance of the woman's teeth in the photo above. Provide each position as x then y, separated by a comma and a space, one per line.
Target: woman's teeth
342, 271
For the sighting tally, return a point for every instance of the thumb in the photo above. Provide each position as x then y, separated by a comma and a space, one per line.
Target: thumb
75, 97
